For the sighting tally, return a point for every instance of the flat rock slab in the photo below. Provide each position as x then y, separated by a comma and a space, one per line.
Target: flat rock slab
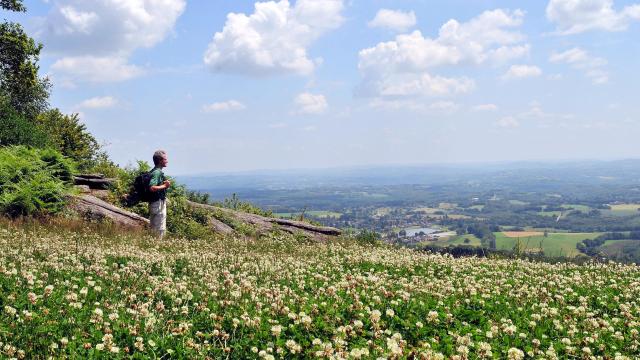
266, 224
91, 205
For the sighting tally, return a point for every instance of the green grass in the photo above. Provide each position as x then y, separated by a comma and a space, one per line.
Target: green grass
555, 244
456, 240
578, 207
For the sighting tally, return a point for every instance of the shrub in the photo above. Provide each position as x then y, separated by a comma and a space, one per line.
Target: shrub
33, 181
368, 237
235, 203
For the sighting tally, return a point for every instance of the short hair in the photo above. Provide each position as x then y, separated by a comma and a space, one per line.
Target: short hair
158, 155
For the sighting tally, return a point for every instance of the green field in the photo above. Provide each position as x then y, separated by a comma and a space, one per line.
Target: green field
555, 244
317, 213
456, 240
567, 207
622, 210
581, 208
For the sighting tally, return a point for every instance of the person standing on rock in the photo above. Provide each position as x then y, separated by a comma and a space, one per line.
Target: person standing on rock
158, 186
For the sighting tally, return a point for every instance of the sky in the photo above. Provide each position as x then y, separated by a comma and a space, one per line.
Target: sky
227, 86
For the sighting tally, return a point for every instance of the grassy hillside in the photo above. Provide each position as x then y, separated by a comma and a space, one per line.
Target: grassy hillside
90, 295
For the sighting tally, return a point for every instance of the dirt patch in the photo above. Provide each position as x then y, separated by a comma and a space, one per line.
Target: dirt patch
516, 234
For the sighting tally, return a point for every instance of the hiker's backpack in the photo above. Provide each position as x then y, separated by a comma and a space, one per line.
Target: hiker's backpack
141, 191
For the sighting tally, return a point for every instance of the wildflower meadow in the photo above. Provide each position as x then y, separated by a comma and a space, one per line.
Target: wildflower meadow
90, 295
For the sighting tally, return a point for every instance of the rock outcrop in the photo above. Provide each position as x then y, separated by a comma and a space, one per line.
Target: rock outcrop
265, 224
91, 202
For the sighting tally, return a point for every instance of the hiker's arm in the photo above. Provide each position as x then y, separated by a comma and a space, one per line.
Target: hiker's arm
165, 185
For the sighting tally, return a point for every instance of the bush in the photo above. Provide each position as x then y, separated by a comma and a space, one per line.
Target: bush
235, 203
368, 237
33, 181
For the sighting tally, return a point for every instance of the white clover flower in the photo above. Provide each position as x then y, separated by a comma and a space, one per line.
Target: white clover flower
515, 354
276, 330
10, 310
375, 316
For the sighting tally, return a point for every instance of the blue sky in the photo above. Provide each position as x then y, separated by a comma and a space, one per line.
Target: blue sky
240, 85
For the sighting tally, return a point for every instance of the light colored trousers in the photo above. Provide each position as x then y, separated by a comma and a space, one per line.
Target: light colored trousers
158, 216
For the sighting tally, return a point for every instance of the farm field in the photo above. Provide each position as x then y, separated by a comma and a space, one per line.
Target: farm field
567, 208
555, 244
84, 295
456, 240
622, 210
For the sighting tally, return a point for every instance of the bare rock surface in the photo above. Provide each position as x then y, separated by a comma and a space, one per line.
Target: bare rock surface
265, 224
92, 206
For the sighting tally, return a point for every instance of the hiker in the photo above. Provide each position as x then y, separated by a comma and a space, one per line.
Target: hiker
158, 186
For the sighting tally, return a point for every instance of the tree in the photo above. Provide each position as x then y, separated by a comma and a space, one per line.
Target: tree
69, 136
15, 129
20, 84
13, 5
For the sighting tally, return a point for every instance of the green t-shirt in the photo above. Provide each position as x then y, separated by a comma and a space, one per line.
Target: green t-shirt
157, 178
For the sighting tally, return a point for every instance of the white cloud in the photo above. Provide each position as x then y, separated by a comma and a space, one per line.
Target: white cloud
522, 71
231, 105
485, 107
593, 67
438, 107
274, 39
576, 16
107, 31
307, 103
424, 84
394, 19
98, 103
95, 69
402, 66
507, 122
